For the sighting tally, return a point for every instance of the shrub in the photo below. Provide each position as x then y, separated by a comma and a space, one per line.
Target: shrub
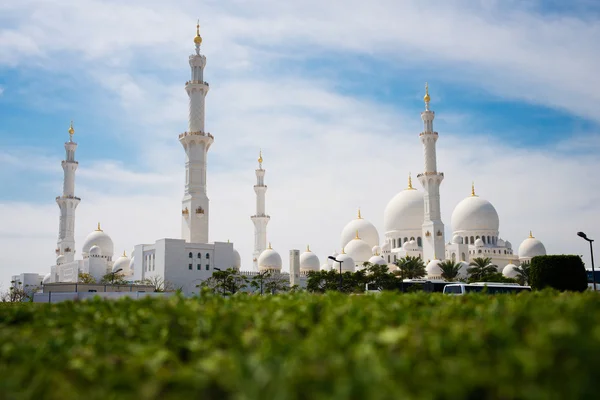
560, 272
537, 345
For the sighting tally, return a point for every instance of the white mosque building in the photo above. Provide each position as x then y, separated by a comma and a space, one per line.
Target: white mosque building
413, 223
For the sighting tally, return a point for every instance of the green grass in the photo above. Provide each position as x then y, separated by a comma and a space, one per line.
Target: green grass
302, 346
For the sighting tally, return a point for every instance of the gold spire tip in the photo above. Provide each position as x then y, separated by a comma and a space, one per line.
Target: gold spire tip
473, 189
260, 159
270, 248
530, 235
124, 253
410, 186
307, 247
357, 237
98, 229
198, 38
426, 98
71, 129
359, 216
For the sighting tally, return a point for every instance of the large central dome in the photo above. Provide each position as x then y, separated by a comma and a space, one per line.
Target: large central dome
366, 231
475, 214
405, 211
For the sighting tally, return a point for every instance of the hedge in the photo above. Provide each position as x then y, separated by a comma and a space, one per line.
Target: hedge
540, 345
560, 272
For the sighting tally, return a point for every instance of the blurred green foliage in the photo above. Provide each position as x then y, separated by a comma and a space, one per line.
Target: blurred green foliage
541, 345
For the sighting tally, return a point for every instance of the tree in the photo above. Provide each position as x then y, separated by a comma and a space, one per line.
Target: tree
84, 277
258, 281
493, 277
228, 281
18, 293
479, 268
411, 268
561, 272
378, 277
450, 270
113, 279
523, 273
158, 282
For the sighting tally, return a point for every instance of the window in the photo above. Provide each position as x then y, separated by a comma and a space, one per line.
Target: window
198, 267
483, 238
207, 256
92, 291
395, 258
207, 267
190, 255
419, 242
199, 255
190, 265
394, 243
389, 259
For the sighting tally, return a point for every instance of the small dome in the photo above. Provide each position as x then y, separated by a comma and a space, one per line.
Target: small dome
325, 267
405, 211
60, 259
509, 271
411, 245
457, 239
100, 239
347, 262
377, 260
530, 248
329, 260
237, 260
95, 251
366, 231
269, 260
475, 214
359, 250
309, 261
47, 278
122, 263
433, 269
479, 243
501, 243
387, 246
508, 244
376, 250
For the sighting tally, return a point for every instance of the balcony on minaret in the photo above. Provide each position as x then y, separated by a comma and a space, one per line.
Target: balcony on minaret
191, 82
429, 133
199, 133
260, 216
430, 173
68, 197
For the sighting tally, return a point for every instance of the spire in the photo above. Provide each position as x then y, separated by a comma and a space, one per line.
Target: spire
98, 229
473, 189
71, 131
124, 253
530, 235
410, 186
260, 159
426, 98
357, 237
359, 216
270, 248
307, 247
198, 38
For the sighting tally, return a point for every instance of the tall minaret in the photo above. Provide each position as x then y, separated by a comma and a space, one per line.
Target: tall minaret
260, 219
68, 202
196, 142
433, 227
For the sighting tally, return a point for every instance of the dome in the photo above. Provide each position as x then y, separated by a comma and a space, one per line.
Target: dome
433, 269
95, 251
60, 259
329, 260
508, 245
122, 263
387, 246
376, 250
410, 245
269, 259
501, 243
509, 271
359, 250
325, 267
479, 243
309, 261
47, 278
100, 239
457, 239
347, 262
237, 260
377, 260
405, 211
475, 214
366, 231
531, 247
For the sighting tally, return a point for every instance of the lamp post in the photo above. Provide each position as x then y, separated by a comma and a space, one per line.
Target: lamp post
340, 262
584, 236
112, 278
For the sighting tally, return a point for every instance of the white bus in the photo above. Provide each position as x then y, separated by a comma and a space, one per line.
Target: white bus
458, 289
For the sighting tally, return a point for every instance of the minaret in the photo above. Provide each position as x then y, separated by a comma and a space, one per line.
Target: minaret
260, 219
433, 227
196, 142
68, 202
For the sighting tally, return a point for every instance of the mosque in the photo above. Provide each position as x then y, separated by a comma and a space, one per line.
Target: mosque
413, 223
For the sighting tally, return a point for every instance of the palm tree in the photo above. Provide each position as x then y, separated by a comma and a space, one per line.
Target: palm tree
411, 267
450, 270
523, 273
481, 267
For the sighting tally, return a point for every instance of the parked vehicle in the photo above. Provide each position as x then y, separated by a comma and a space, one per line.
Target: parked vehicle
459, 289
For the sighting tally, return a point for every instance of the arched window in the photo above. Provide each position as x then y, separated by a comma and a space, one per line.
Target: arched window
393, 244
483, 239
479, 251
405, 240
453, 257
419, 241
190, 255
466, 240
389, 258
199, 255
472, 240
207, 256
395, 258
463, 258
476, 237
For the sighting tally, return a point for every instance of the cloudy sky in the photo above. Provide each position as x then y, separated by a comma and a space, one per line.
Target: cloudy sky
330, 90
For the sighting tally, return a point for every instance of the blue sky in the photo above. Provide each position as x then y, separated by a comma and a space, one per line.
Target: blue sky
332, 92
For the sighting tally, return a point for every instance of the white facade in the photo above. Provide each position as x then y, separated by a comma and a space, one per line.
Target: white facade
260, 219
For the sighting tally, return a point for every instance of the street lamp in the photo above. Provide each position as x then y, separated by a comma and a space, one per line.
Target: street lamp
340, 262
112, 280
583, 235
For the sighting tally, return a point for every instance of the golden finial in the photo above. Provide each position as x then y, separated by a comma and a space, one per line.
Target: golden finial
410, 186
260, 159
357, 237
426, 98
98, 229
124, 253
71, 129
198, 38
530, 235
473, 189
307, 247
227, 240
343, 251
270, 248
359, 216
